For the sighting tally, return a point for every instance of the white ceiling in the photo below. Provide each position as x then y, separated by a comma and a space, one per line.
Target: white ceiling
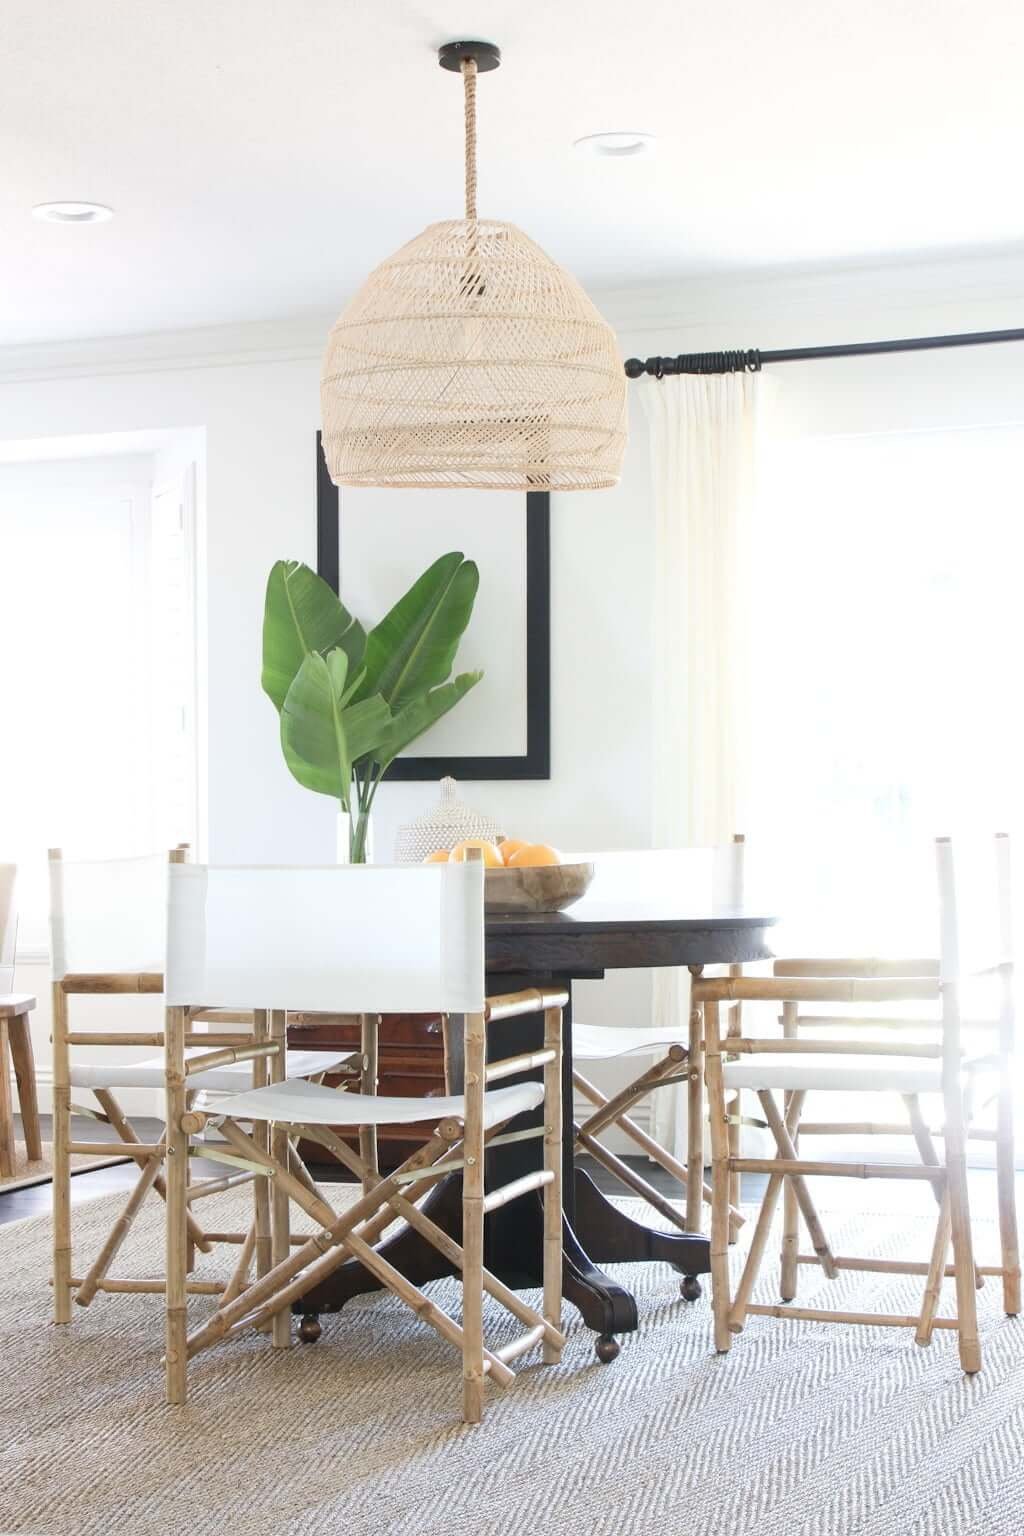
262, 155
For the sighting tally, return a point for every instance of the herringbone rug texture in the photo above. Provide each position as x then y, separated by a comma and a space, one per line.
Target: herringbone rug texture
802, 1430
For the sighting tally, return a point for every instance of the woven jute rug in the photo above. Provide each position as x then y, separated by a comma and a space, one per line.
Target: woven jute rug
804, 1429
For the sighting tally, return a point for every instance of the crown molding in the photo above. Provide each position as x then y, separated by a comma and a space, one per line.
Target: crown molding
726, 306
725, 301
294, 339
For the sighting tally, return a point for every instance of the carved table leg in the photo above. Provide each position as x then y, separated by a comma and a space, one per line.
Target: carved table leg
612, 1237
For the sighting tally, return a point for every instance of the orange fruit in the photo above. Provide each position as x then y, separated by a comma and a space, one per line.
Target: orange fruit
492, 858
510, 846
533, 855
440, 856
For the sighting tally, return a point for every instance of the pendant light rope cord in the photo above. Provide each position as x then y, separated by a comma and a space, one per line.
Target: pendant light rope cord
469, 84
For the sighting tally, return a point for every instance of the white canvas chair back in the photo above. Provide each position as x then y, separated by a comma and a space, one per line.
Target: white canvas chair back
728, 876
107, 915
708, 880
975, 906
360, 938
8, 925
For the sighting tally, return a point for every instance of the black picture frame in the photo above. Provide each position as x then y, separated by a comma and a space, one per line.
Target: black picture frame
535, 762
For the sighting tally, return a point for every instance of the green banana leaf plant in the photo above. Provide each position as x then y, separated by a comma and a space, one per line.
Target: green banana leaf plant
350, 700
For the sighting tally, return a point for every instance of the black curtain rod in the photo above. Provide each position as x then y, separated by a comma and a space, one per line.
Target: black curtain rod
752, 361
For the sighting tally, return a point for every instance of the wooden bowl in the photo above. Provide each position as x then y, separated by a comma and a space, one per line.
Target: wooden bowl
546, 888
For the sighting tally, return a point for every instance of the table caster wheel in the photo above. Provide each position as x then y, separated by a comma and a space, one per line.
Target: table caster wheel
309, 1328
690, 1288
606, 1349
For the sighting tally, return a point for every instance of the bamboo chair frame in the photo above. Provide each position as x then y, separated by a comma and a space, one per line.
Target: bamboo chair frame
947, 1175
299, 1264
291, 1267
924, 1135
682, 1063
233, 1043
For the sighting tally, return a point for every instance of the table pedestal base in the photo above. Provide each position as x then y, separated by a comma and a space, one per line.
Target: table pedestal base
602, 1233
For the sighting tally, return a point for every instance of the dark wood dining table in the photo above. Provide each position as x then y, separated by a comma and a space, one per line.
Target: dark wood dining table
622, 923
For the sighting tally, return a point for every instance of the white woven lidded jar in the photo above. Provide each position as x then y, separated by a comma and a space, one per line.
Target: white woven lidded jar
449, 823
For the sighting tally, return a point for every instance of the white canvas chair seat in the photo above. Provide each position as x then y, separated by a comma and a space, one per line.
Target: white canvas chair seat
605, 1042
301, 1103
841, 1074
230, 1078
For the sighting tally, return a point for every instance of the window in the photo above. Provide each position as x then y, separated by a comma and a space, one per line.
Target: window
98, 683
887, 619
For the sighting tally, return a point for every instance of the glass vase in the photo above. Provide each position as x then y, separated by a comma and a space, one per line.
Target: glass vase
355, 836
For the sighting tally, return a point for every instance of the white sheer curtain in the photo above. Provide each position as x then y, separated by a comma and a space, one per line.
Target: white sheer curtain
702, 442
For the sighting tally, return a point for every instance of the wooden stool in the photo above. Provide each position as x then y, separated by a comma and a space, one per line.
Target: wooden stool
15, 1008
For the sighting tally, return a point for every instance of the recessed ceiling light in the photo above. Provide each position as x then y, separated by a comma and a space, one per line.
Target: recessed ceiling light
72, 213
616, 146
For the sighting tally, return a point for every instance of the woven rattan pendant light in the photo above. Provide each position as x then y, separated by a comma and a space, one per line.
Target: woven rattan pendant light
469, 358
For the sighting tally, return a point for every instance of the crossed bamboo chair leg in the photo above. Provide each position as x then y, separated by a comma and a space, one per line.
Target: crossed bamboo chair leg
730, 1317
924, 1135
924, 1138
352, 1235
151, 1180
673, 1068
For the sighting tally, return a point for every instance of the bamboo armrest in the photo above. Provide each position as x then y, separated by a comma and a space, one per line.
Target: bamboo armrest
315, 1020
219, 1016
227, 1057
113, 981
856, 1022
532, 1000
858, 966
742, 1045
815, 989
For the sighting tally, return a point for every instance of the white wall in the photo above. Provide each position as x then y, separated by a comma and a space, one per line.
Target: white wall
260, 505
254, 392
